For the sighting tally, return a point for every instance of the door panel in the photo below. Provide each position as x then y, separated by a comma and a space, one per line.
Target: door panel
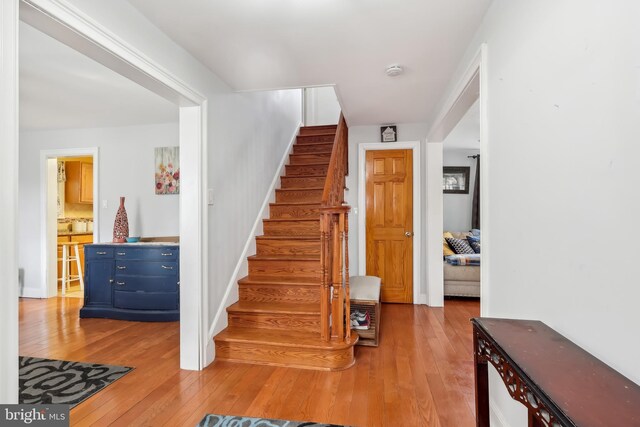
389, 217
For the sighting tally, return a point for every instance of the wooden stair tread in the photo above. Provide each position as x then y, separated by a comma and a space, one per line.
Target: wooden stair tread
292, 219
285, 257
284, 338
300, 189
280, 280
274, 307
296, 237
313, 164
317, 134
296, 203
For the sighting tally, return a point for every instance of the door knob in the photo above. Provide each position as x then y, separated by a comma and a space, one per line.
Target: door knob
408, 233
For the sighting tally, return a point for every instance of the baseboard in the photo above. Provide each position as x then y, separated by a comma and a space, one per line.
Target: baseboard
496, 416
231, 293
31, 293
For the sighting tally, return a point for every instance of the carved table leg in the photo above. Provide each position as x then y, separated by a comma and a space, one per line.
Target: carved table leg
533, 420
481, 375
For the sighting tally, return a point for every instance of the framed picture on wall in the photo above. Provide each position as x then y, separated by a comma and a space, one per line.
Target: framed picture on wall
455, 179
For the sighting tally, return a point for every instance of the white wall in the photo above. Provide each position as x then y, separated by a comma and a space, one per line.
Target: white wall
563, 132
458, 207
259, 127
371, 134
126, 168
321, 106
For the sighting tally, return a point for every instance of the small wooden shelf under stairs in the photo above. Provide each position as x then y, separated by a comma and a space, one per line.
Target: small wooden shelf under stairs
277, 318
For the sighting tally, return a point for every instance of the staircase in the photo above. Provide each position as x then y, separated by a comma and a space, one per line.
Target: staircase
277, 320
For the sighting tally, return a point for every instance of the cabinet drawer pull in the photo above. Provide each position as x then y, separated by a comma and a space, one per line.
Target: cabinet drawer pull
167, 254
120, 283
121, 253
167, 268
121, 267
101, 253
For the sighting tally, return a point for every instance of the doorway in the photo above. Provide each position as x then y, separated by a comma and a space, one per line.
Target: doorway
69, 194
389, 222
398, 167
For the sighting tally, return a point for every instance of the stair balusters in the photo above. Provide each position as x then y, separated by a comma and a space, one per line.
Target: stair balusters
334, 243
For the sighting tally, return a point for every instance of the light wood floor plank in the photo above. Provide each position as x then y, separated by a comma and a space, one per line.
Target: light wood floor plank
420, 375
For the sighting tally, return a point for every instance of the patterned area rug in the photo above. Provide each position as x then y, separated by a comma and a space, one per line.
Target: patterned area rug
57, 381
213, 420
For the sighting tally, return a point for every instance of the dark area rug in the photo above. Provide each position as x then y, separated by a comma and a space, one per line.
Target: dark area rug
45, 381
213, 420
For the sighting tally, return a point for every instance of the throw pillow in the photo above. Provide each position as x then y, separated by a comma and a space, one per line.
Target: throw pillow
446, 249
474, 242
460, 246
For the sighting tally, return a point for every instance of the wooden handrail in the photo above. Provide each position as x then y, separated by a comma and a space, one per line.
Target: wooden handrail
333, 193
334, 243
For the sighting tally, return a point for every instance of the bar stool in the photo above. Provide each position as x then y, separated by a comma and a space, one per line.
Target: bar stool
67, 277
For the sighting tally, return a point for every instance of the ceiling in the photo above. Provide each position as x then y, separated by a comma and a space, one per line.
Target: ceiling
61, 88
257, 44
466, 134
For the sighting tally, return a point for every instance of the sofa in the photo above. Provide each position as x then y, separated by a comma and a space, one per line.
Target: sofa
461, 280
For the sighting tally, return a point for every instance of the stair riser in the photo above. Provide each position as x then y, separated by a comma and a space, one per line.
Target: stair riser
279, 293
314, 130
311, 196
292, 228
294, 211
263, 268
312, 148
301, 182
311, 139
287, 247
297, 322
306, 170
303, 159
285, 356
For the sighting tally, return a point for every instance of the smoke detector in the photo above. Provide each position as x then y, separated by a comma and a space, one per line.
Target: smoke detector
394, 70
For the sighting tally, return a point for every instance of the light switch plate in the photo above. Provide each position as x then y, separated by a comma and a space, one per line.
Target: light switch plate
104, 204
210, 196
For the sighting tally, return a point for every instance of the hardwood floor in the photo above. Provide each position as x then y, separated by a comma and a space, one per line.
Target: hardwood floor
420, 375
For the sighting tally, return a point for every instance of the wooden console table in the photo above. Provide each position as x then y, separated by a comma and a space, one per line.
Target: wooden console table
559, 383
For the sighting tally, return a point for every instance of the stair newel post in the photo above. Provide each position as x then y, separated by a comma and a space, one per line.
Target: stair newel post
345, 217
325, 291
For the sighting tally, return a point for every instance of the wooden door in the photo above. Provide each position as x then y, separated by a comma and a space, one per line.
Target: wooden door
389, 222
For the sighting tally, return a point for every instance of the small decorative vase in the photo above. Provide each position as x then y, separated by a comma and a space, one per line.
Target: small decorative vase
121, 224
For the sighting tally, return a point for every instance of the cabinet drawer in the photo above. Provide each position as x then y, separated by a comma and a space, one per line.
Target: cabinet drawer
97, 252
153, 268
123, 282
147, 253
145, 300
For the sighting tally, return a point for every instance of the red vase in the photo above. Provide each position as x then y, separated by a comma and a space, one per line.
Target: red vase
121, 224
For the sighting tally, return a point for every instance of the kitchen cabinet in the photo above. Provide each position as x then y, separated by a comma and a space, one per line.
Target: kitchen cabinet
132, 281
78, 187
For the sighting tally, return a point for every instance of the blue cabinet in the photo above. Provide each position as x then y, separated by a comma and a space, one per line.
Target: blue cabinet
132, 282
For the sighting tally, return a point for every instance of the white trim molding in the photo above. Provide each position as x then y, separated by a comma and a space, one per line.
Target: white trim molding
417, 218
471, 86
9, 194
66, 23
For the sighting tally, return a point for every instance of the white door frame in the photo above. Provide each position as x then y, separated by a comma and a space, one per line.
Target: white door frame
462, 97
9, 195
63, 21
48, 231
362, 208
